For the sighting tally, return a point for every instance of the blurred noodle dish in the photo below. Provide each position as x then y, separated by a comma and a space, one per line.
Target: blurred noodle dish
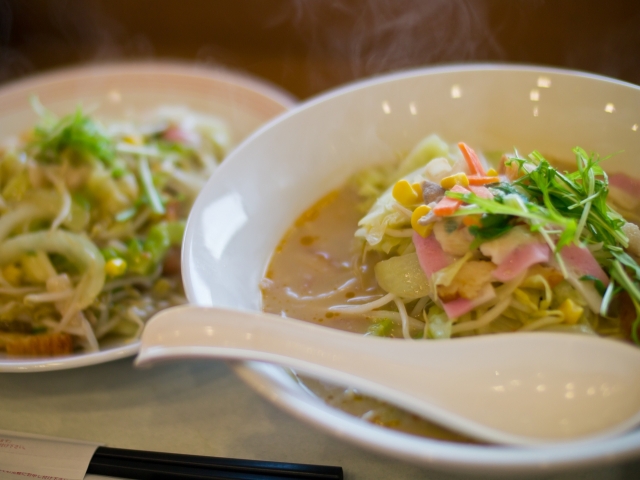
91, 224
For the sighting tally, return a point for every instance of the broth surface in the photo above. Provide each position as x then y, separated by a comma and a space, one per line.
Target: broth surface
316, 266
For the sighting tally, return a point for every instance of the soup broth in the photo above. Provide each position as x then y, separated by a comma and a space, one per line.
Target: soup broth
316, 266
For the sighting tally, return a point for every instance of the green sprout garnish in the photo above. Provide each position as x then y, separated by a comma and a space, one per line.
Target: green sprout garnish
564, 208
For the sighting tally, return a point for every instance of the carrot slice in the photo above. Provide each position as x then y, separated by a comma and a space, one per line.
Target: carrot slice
472, 220
448, 206
482, 180
475, 166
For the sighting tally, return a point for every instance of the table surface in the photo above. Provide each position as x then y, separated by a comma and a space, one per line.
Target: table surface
305, 47
201, 408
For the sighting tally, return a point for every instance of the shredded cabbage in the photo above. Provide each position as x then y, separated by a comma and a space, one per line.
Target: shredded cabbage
492, 230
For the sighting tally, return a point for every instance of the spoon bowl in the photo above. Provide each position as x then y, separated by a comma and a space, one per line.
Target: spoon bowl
518, 389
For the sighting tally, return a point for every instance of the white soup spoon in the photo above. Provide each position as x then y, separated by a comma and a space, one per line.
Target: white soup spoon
519, 389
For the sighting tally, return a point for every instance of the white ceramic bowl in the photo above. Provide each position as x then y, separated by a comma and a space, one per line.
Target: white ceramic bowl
291, 162
125, 90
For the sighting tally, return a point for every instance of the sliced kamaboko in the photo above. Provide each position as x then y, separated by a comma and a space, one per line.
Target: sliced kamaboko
581, 261
520, 259
430, 254
458, 307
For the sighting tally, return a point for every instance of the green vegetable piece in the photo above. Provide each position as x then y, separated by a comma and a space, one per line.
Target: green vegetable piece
157, 242
176, 232
118, 171
127, 214
403, 276
152, 194
138, 260
17, 187
144, 256
109, 253
75, 135
491, 226
162, 236
381, 328
439, 324
125, 328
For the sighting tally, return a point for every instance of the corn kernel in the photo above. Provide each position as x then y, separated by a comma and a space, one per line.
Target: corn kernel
115, 267
133, 139
417, 187
12, 274
492, 172
453, 180
571, 311
418, 213
404, 193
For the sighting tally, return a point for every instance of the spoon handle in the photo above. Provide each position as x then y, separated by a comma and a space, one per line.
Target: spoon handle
517, 389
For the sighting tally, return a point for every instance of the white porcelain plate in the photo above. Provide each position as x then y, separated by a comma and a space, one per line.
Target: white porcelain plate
125, 90
287, 165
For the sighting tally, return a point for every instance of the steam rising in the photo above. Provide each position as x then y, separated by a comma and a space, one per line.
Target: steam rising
11, 62
312, 45
367, 38
337, 40
81, 32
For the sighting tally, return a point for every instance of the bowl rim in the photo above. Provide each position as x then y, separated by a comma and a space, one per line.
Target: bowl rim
271, 381
149, 67
430, 70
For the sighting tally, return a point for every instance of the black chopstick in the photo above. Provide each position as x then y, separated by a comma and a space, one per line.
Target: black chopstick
141, 465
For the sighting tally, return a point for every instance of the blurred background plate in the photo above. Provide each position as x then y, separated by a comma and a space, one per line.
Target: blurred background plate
126, 90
